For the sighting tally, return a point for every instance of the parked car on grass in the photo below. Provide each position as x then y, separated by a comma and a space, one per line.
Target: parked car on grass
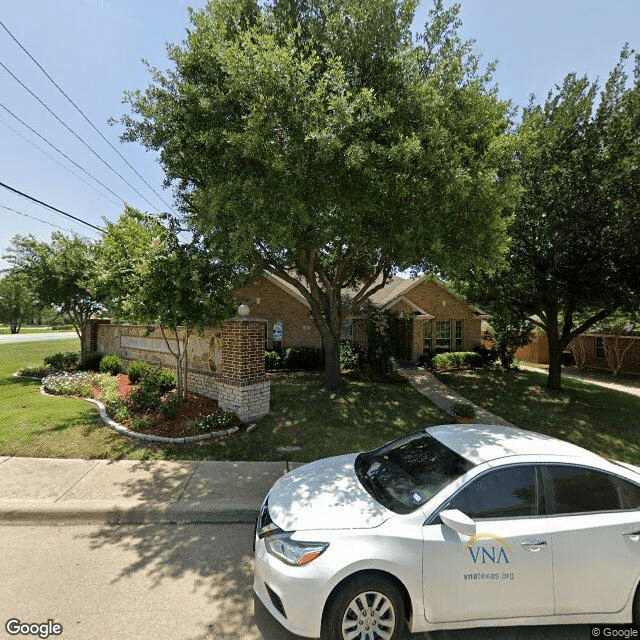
451, 527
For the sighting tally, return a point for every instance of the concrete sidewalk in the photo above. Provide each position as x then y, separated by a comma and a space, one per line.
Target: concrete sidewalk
74, 491
442, 396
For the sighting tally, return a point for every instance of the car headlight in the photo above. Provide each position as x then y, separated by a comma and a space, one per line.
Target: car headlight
293, 552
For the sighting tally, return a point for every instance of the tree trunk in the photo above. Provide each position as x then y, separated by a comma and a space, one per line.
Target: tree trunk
332, 378
554, 381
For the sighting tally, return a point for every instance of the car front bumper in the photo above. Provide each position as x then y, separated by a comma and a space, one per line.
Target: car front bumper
294, 596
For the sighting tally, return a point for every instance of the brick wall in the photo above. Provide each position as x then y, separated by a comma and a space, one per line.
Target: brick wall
269, 301
225, 363
630, 363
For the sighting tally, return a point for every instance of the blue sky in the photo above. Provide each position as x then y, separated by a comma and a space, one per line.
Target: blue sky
93, 49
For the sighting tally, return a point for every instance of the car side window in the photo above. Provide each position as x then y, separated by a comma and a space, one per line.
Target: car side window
501, 493
582, 490
630, 495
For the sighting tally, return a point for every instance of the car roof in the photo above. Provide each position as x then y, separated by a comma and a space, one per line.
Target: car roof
480, 443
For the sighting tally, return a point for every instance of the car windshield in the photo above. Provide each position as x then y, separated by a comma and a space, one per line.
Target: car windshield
404, 474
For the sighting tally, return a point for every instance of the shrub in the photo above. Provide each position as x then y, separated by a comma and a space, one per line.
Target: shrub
489, 355
214, 422
351, 355
111, 364
165, 379
457, 360
307, 358
118, 410
463, 410
426, 359
137, 370
170, 407
272, 360
36, 371
145, 397
92, 361
62, 361
140, 423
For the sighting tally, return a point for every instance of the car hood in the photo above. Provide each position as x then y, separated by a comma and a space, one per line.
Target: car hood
325, 494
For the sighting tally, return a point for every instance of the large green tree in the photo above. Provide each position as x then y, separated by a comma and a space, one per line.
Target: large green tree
320, 141
17, 301
145, 274
575, 236
59, 273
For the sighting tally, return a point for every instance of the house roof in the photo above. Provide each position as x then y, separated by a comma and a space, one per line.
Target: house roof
391, 293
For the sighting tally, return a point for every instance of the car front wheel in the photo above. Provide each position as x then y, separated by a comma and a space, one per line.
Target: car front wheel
367, 608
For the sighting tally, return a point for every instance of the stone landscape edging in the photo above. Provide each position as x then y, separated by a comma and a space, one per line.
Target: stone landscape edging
122, 430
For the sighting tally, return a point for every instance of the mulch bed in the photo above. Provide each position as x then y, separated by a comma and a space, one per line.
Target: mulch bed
194, 407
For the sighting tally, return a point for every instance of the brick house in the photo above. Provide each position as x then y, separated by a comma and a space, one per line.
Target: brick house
588, 350
440, 320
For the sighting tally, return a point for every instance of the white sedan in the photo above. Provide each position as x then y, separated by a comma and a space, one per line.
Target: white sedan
451, 527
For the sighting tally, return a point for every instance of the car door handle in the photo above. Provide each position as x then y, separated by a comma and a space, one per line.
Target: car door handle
533, 545
633, 535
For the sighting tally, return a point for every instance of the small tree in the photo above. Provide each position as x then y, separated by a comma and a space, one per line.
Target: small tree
616, 334
510, 333
180, 288
59, 273
17, 302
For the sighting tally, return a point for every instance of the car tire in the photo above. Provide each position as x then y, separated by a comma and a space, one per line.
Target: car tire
370, 607
636, 607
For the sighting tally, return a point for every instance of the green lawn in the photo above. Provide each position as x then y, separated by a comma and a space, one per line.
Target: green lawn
601, 420
302, 415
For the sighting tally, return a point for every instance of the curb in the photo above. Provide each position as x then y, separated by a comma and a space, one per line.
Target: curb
26, 512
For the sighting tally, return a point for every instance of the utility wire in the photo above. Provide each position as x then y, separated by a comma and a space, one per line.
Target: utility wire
81, 112
62, 153
26, 215
70, 130
44, 204
64, 166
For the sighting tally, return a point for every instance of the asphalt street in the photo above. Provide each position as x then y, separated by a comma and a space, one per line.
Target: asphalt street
167, 582
37, 337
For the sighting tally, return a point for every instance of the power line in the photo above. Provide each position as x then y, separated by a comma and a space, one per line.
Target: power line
81, 112
26, 215
62, 153
70, 130
44, 204
64, 166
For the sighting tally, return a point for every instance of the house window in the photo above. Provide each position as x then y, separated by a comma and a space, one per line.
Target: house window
426, 332
600, 348
277, 335
443, 335
459, 335
346, 330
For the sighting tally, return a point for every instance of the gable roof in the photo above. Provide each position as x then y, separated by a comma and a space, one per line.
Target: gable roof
390, 294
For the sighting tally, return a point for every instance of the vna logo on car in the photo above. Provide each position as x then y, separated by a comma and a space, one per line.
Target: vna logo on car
486, 553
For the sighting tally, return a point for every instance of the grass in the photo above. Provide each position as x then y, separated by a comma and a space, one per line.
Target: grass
302, 415
599, 419
34, 425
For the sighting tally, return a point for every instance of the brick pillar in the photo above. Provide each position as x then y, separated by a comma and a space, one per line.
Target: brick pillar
242, 387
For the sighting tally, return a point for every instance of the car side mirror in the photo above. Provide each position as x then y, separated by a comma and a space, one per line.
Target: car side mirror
458, 521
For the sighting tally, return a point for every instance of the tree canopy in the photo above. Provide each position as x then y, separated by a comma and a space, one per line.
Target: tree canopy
575, 235
59, 273
145, 274
321, 142
17, 302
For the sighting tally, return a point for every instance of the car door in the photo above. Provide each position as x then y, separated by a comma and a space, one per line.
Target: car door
596, 539
505, 570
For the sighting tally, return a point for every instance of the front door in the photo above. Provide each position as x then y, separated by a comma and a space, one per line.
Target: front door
506, 569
